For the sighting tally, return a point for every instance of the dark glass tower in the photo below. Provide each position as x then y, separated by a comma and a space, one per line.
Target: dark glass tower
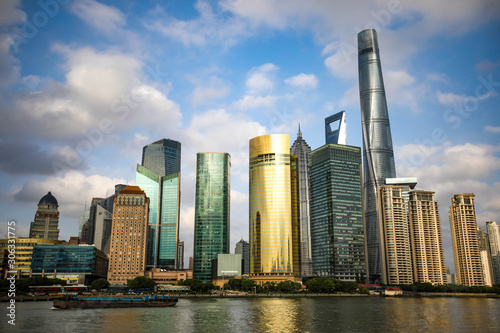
301, 149
163, 157
335, 129
337, 229
378, 156
159, 177
212, 211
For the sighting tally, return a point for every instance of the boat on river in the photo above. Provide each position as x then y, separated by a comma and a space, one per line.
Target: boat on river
103, 301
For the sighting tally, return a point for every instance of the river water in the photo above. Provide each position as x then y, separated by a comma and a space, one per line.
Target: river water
321, 314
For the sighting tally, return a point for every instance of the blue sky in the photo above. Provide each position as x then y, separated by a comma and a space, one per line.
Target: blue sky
84, 85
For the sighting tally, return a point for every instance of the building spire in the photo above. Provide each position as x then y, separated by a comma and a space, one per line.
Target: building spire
299, 133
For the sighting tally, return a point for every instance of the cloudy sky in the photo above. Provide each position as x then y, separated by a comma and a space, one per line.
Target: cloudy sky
84, 85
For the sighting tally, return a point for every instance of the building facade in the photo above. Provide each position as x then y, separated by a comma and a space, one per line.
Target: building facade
484, 250
80, 264
164, 217
337, 223
426, 238
494, 238
127, 258
212, 211
301, 149
46, 219
395, 249
23, 253
270, 209
243, 248
336, 129
378, 155
163, 157
468, 266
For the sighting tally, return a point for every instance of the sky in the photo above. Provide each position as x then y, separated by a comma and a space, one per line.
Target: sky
84, 85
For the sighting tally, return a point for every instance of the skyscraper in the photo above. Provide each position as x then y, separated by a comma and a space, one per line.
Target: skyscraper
335, 129
395, 250
163, 157
378, 155
468, 266
46, 219
162, 186
426, 240
484, 250
243, 248
301, 149
337, 224
494, 237
212, 211
128, 235
270, 211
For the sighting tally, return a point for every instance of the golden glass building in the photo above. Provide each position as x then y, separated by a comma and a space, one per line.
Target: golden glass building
272, 231
468, 266
426, 240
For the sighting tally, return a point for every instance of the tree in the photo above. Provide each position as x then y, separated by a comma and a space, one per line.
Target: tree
247, 284
100, 284
141, 282
234, 284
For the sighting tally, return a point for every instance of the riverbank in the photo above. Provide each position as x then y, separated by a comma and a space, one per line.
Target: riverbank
28, 298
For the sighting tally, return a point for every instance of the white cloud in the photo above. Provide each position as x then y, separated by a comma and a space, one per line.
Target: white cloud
215, 89
11, 13
107, 87
486, 65
438, 77
451, 99
261, 79
253, 102
492, 129
71, 190
304, 81
208, 28
107, 19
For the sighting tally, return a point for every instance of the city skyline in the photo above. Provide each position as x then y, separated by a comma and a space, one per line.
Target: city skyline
212, 91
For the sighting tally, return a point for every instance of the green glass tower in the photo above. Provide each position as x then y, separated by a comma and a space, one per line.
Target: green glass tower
212, 211
163, 227
337, 221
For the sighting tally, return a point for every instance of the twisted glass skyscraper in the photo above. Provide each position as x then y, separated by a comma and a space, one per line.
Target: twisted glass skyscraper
378, 156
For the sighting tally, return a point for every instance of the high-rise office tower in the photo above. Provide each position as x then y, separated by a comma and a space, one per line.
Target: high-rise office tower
494, 238
484, 250
378, 156
128, 235
163, 157
395, 249
159, 177
212, 211
180, 255
270, 212
468, 266
301, 149
335, 129
243, 248
337, 224
46, 219
426, 240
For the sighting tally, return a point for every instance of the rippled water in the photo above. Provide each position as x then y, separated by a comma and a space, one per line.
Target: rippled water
335, 314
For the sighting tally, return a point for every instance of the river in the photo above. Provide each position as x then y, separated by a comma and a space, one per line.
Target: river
321, 314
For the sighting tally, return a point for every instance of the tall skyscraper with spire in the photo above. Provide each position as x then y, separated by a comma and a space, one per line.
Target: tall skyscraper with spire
211, 211
378, 155
301, 149
159, 177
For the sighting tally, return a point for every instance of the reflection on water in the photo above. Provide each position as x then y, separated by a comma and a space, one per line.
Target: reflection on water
322, 314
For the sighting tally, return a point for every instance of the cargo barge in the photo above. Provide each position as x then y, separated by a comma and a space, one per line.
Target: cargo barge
82, 302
